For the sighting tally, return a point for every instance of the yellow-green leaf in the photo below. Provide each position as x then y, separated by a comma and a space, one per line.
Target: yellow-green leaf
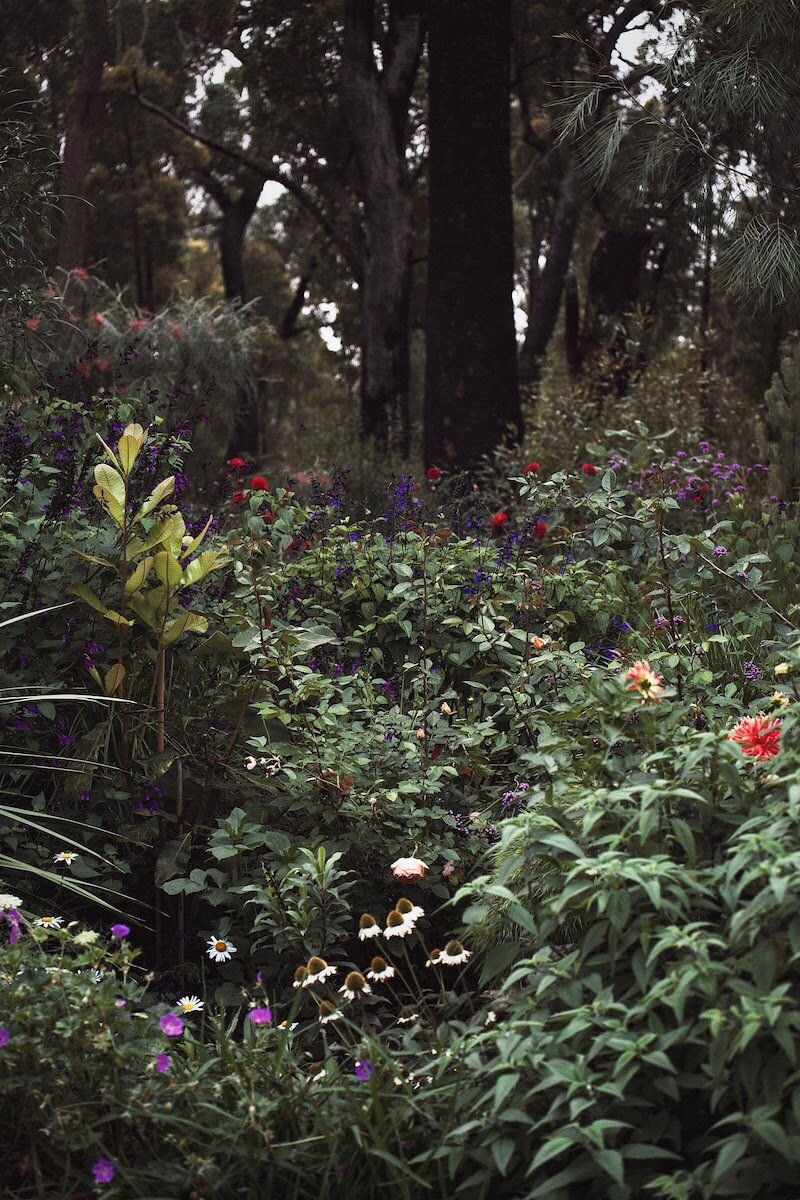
108, 450
196, 541
186, 621
94, 558
163, 531
113, 679
138, 576
115, 617
168, 569
201, 566
159, 493
112, 506
85, 593
110, 481
145, 610
129, 445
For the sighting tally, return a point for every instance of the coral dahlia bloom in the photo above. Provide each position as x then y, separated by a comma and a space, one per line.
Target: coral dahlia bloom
412, 869
644, 681
757, 737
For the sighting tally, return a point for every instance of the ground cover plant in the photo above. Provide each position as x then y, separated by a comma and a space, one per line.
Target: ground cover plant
480, 876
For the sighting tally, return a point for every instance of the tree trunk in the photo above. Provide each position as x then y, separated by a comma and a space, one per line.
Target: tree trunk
84, 113
545, 298
375, 107
471, 393
236, 216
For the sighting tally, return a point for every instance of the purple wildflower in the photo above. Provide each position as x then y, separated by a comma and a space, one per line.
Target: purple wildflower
103, 1170
260, 1016
171, 1025
5, 1037
162, 1063
120, 931
363, 1070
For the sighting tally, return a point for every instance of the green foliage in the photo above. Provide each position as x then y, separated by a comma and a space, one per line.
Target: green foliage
779, 431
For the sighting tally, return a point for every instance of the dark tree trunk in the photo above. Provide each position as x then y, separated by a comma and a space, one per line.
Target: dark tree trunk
471, 393
545, 298
81, 125
236, 215
375, 106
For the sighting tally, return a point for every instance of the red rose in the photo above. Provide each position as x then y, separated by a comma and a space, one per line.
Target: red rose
258, 483
498, 520
238, 497
433, 473
530, 468
540, 530
236, 464
589, 469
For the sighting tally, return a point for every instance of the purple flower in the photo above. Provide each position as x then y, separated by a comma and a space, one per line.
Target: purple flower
751, 672
363, 1070
103, 1170
5, 1037
171, 1025
13, 925
162, 1063
260, 1016
120, 931
719, 551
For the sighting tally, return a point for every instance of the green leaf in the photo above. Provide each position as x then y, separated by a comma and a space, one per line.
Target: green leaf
185, 622
502, 1153
129, 445
198, 568
159, 493
168, 569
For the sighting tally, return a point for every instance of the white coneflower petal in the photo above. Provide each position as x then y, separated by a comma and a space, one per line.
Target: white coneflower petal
397, 925
368, 927
407, 1015
435, 958
318, 970
454, 954
355, 985
380, 969
219, 949
328, 1012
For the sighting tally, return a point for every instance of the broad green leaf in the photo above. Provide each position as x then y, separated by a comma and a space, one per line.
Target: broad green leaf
186, 621
129, 445
110, 481
162, 531
204, 564
159, 493
138, 576
113, 679
110, 503
196, 541
168, 570
88, 595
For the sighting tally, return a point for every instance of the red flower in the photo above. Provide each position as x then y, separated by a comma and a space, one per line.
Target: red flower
97, 319
238, 497
539, 530
258, 483
758, 737
268, 516
175, 331
589, 469
498, 520
80, 273
433, 473
236, 464
297, 544
531, 468
139, 323
103, 364
83, 368
32, 323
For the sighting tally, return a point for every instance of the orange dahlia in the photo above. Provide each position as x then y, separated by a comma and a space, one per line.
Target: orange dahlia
758, 737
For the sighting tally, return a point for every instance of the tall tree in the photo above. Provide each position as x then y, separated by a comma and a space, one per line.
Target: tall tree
471, 395
81, 125
375, 102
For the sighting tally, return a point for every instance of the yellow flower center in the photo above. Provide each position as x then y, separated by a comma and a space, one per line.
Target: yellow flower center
220, 946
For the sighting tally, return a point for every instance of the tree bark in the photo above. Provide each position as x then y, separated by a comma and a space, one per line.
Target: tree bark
375, 107
84, 113
236, 215
545, 298
471, 392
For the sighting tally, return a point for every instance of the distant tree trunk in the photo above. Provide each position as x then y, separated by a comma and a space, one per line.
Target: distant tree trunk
81, 126
545, 298
236, 215
375, 106
471, 393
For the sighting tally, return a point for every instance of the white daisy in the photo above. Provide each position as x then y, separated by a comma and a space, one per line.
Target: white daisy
328, 1012
50, 922
189, 1004
454, 953
8, 901
318, 970
65, 856
219, 950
